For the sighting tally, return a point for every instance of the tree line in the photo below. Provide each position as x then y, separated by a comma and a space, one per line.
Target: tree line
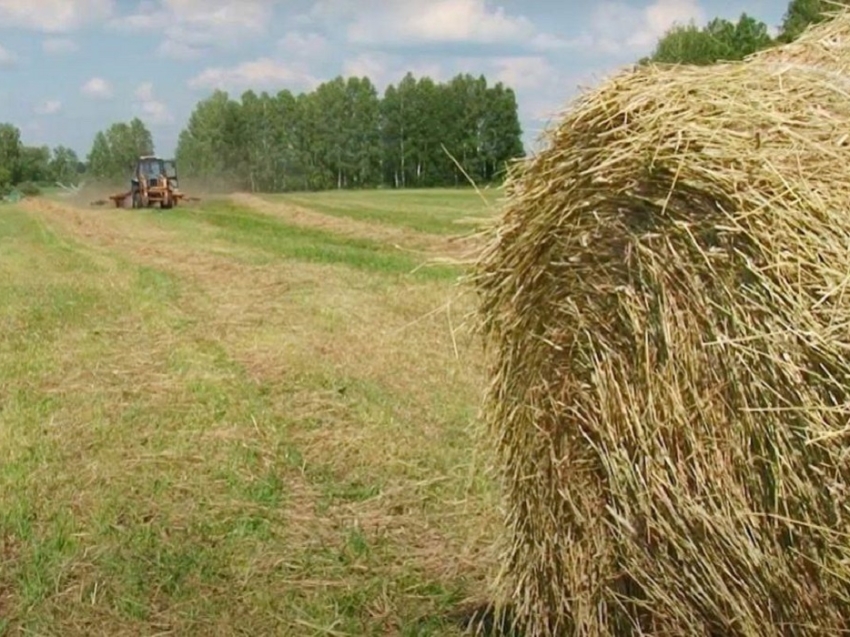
419, 133
27, 167
343, 134
114, 151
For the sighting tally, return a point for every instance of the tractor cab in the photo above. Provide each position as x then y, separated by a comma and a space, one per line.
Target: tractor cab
153, 182
150, 168
169, 169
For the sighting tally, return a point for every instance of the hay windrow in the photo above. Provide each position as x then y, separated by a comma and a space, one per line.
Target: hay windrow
665, 304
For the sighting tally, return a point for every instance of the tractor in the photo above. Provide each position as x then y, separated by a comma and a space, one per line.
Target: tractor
154, 181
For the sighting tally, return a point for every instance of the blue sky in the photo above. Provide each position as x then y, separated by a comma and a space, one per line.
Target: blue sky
71, 67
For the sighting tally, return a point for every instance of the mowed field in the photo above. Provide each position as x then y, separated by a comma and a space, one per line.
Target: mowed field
252, 416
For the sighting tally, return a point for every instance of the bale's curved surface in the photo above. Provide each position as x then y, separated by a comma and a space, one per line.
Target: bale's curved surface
667, 301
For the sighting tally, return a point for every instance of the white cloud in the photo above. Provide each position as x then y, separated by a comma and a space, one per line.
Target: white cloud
178, 50
192, 26
528, 71
54, 16
548, 42
441, 21
263, 73
144, 92
659, 16
97, 88
49, 107
305, 45
7, 58
549, 101
328, 10
620, 28
154, 110
375, 22
56, 46
375, 66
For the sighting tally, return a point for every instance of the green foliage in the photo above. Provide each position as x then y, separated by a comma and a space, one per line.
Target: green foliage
802, 13
10, 156
34, 163
345, 135
27, 166
208, 146
114, 152
342, 135
720, 40
29, 189
65, 166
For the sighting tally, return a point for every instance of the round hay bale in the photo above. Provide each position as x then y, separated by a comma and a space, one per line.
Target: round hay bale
666, 299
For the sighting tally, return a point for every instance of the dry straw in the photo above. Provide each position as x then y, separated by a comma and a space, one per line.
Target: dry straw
666, 302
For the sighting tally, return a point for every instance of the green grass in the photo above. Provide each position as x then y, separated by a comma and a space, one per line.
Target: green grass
438, 211
235, 224
213, 454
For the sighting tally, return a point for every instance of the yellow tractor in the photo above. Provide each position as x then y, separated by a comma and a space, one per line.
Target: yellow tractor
154, 182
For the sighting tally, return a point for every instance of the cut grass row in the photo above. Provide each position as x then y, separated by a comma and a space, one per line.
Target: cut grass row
276, 239
437, 211
154, 479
